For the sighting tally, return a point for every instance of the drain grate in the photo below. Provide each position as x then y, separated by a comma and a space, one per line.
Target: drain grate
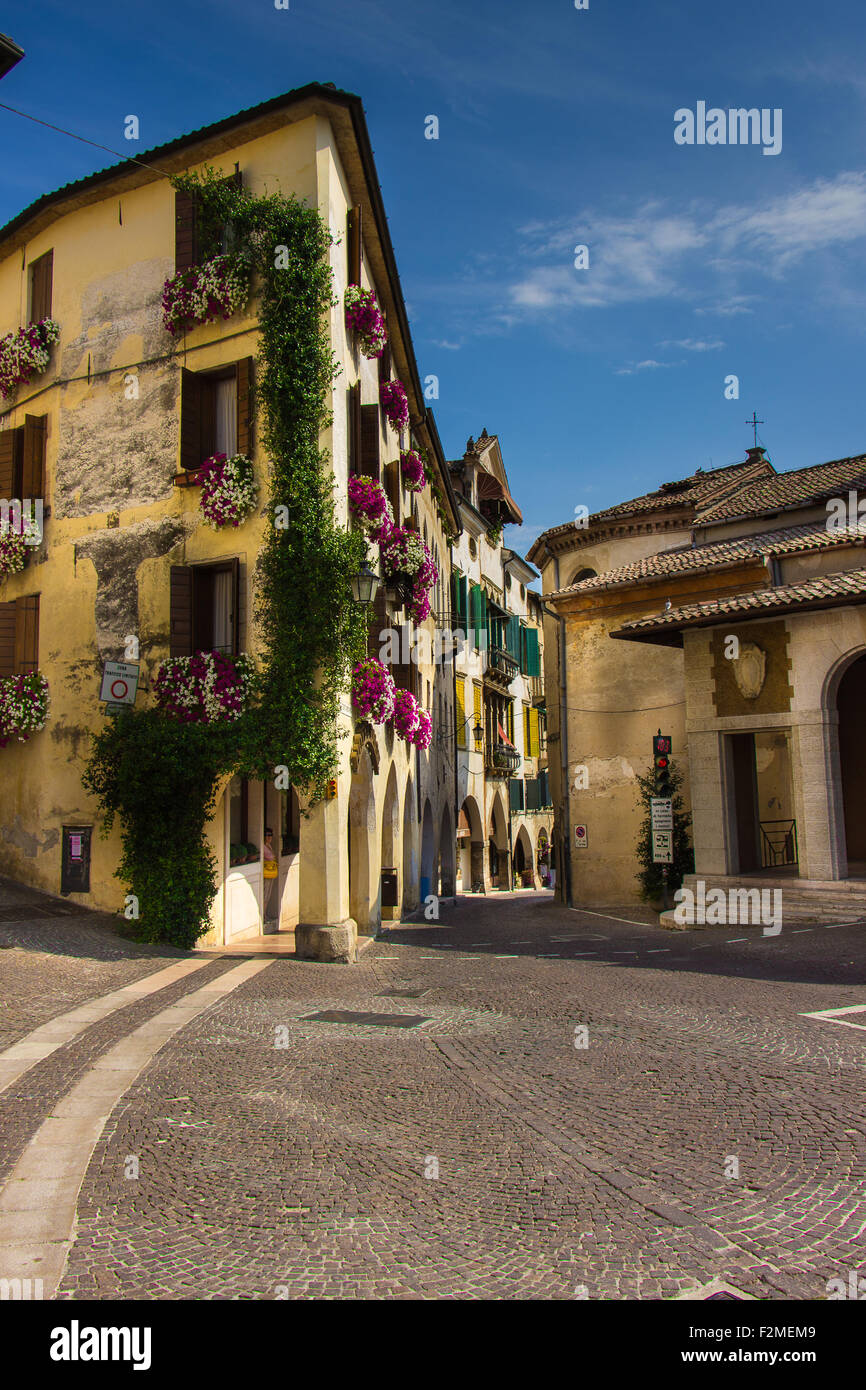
371, 1020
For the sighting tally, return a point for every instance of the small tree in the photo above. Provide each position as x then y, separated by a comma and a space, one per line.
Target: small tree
650, 874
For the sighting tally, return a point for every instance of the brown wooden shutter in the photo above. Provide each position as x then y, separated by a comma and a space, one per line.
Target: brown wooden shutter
385, 363
393, 487
180, 610
7, 639
185, 231
41, 283
33, 457
191, 456
244, 375
353, 245
354, 427
236, 606
7, 465
26, 634
371, 436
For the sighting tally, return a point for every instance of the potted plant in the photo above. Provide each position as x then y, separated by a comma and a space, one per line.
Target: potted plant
373, 690
23, 706
228, 490
216, 289
25, 353
395, 403
364, 316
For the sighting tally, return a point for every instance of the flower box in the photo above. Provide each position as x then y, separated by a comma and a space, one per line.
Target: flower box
216, 289
373, 691
368, 502
395, 403
228, 490
364, 316
23, 706
207, 688
25, 353
412, 471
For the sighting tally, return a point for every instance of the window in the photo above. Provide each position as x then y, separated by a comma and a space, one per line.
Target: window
477, 721
215, 413
40, 280
462, 722
290, 822
19, 636
205, 603
192, 246
22, 460
582, 574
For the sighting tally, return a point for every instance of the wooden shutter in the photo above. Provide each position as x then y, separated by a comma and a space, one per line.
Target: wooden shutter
236, 605
460, 686
7, 639
7, 465
180, 610
393, 487
533, 733
354, 427
378, 620
385, 363
476, 714
532, 666
41, 281
244, 375
185, 231
26, 634
191, 456
33, 457
371, 435
353, 246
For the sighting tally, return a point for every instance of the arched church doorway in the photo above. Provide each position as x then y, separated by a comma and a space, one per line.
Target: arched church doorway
851, 704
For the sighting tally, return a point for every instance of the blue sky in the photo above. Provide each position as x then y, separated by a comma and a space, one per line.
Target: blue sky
555, 129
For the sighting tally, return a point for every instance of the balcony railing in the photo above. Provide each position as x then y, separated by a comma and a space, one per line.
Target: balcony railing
502, 761
501, 665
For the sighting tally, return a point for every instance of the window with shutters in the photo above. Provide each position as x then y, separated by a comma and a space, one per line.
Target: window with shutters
477, 721
371, 438
215, 413
353, 427
353, 246
19, 636
205, 608
462, 722
40, 283
192, 245
22, 462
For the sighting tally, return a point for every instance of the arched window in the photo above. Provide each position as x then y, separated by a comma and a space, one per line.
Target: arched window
583, 574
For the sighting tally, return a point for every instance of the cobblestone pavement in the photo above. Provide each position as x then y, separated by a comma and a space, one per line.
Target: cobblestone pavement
479, 1152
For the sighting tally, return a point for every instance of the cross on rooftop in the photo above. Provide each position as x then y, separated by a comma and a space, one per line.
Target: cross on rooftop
755, 422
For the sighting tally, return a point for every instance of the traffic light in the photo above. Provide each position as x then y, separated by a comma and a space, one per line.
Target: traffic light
661, 762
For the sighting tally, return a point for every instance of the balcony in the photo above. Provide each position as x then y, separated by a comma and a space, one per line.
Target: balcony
501, 667
502, 761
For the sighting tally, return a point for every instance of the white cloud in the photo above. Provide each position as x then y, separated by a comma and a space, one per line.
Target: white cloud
694, 344
649, 365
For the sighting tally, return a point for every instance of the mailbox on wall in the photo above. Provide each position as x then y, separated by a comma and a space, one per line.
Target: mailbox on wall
75, 865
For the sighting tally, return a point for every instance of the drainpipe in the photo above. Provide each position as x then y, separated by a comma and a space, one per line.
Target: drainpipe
564, 817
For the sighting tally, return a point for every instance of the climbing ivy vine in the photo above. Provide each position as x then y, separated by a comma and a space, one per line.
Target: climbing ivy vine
309, 629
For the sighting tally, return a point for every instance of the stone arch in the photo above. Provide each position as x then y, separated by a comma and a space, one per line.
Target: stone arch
410, 850
446, 875
470, 847
428, 850
391, 838
524, 856
364, 903
500, 868
846, 686
582, 573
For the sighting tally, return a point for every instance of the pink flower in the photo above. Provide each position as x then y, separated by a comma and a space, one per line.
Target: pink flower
395, 403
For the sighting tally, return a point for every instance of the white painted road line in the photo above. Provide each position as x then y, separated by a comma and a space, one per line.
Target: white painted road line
660, 951
58, 1031
835, 1016
608, 917
39, 1200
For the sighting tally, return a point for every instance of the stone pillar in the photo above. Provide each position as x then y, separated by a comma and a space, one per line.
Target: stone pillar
710, 816
816, 775
325, 931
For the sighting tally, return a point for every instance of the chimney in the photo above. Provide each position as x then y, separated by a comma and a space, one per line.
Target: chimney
755, 455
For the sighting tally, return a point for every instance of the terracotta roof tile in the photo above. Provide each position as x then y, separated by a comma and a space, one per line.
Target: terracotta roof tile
813, 535
823, 590
785, 490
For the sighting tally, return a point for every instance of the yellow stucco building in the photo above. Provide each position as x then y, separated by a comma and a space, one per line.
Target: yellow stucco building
102, 436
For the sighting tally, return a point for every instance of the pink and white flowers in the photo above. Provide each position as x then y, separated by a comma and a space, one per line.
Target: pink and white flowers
395, 403
368, 501
217, 289
13, 550
424, 730
406, 715
23, 706
373, 690
228, 490
25, 353
206, 688
412, 470
365, 317
404, 553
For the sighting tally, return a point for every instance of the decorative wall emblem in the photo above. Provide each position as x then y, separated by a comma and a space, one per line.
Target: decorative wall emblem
750, 670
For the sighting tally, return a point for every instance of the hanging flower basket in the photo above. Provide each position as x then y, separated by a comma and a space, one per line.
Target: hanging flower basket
373, 690
394, 402
23, 706
217, 289
424, 731
207, 688
412, 470
364, 316
14, 545
25, 353
228, 490
409, 565
406, 715
368, 501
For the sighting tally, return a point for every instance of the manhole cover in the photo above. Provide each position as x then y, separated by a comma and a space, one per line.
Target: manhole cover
371, 1020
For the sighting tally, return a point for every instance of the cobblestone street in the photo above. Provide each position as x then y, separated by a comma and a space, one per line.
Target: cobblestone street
423, 1125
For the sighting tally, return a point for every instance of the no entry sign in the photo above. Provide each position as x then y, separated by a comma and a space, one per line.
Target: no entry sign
119, 682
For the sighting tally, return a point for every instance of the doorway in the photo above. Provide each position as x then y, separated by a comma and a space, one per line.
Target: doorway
763, 801
850, 703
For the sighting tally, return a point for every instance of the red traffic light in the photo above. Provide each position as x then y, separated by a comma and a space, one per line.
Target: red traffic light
661, 762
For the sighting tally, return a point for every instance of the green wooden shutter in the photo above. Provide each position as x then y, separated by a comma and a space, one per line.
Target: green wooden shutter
533, 660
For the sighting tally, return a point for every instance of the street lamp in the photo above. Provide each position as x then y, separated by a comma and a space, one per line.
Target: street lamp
365, 583
10, 54
444, 735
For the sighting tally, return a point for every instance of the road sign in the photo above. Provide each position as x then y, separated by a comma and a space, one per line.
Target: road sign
580, 839
663, 847
119, 682
662, 812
